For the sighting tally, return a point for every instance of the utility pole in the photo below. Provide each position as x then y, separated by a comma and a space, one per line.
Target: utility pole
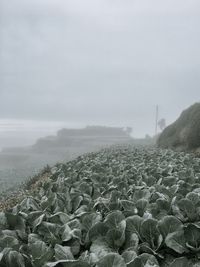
156, 126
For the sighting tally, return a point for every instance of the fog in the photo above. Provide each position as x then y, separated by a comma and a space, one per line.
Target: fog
105, 62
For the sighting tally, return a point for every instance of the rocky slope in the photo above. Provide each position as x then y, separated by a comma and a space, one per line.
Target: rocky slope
184, 133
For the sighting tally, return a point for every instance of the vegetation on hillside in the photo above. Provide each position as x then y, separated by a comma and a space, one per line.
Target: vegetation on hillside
184, 133
119, 207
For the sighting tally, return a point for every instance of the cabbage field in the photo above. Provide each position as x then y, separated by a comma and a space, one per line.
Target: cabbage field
122, 206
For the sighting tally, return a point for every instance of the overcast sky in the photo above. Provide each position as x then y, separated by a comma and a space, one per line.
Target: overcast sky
99, 61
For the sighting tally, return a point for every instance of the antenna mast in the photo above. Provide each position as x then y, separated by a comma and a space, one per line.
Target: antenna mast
156, 126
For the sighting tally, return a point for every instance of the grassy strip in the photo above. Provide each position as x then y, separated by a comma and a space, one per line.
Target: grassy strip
13, 196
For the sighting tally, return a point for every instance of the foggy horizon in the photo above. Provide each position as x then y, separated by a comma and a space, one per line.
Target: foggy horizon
79, 63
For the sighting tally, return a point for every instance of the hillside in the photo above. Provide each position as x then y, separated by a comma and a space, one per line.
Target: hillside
184, 133
109, 209
94, 137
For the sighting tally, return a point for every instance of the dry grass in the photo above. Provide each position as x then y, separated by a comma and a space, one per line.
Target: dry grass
31, 186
